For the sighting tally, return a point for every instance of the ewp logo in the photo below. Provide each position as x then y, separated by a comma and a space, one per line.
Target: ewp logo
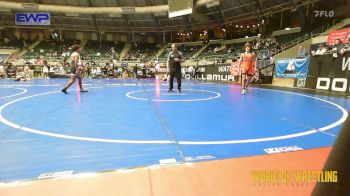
33, 19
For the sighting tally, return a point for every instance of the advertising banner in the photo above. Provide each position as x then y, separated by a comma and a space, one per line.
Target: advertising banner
328, 73
33, 18
292, 68
342, 34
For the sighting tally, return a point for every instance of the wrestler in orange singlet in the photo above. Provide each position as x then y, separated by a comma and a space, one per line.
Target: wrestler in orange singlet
247, 62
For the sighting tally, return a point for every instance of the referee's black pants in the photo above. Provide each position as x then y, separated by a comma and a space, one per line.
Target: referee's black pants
175, 73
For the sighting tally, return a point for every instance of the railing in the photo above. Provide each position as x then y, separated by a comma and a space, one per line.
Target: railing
9, 47
301, 39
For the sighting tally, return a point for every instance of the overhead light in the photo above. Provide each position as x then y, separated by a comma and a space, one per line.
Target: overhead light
160, 14
241, 27
248, 26
30, 6
246, 37
223, 29
128, 10
180, 12
258, 24
259, 34
3, 10
115, 15
72, 14
237, 26
253, 25
212, 4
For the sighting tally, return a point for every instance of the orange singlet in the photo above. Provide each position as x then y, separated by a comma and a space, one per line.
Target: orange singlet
248, 63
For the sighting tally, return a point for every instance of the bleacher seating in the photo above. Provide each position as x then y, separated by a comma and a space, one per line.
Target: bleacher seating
282, 39
98, 50
141, 51
14, 43
187, 51
220, 51
49, 48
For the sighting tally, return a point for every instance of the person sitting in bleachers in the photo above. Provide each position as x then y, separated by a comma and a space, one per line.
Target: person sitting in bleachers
338, 48
20, 75
321, 50
26, 71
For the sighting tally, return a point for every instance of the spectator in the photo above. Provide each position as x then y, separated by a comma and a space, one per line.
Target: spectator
157, 68
46, 70
321, 50
144, 69
338, 48
37, 71
20, 74
88, 69
191, 71
302, 51
266, 56
104, 70
26, 71
93, 72
2, 71
134, 70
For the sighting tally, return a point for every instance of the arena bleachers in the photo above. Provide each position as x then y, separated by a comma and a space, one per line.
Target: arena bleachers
141, 51
95, 50
13, 43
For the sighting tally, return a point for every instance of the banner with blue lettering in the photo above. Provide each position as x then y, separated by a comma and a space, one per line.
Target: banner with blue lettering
41, 18
292, 68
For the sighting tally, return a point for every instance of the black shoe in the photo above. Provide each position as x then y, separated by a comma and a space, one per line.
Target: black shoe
83, 91
170, 90
64, 91
179, 90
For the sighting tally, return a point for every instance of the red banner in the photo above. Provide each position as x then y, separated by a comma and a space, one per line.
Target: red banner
235, 69
342, 34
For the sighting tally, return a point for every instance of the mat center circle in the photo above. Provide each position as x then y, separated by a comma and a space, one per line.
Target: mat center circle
174, 96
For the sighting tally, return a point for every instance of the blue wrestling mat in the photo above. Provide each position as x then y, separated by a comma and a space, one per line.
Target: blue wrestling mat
136, 123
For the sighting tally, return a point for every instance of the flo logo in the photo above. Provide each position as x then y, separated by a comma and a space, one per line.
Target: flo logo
325, 14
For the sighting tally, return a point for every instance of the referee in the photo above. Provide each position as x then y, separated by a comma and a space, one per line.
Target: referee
174, 67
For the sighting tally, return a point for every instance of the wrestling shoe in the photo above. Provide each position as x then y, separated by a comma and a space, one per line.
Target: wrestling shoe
64, 91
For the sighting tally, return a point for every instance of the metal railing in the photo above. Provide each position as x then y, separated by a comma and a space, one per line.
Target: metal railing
301, 39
